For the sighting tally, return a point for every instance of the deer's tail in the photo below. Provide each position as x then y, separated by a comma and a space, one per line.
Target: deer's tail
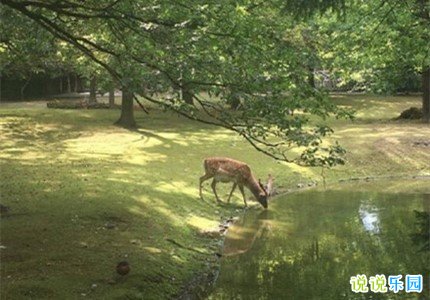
205, 164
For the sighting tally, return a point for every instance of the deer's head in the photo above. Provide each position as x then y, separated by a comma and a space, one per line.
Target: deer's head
263, 197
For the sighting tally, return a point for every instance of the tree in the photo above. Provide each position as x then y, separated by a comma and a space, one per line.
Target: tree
223, 49
26, 50
127, 113
93, 89
380, 42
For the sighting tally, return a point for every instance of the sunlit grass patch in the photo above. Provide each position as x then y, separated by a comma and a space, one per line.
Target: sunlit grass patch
374, 107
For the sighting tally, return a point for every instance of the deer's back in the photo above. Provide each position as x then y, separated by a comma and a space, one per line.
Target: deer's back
229, 168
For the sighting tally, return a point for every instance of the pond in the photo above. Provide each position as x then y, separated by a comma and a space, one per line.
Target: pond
309, 244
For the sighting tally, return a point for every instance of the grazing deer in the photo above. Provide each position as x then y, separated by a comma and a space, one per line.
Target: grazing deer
223, 169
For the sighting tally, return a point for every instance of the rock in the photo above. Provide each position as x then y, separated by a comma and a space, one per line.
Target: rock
75, 104
110, 225
123, 268
97, 105
66, 104
422, 143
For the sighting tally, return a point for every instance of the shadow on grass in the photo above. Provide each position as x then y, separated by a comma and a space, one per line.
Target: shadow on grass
75, 214
66, 232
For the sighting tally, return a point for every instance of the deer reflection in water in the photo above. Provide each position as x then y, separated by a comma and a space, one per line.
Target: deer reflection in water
246, 231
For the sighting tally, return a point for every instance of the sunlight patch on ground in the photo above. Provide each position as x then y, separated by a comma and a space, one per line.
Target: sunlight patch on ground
100, 143
176, 187
137, 210
160, 206
120, 172
128, 146
153, 250
169, 214
303, 171
177, 138
21, 154
143, 158
216, 135
201, 223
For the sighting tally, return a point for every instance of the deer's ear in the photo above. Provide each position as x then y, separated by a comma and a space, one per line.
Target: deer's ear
269, 185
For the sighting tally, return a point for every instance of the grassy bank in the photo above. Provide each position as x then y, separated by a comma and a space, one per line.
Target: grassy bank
84, 194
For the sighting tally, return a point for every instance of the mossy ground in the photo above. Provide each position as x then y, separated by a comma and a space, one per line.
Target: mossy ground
85, 194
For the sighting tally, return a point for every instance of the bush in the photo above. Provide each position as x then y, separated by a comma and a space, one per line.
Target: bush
81, 104
412, 113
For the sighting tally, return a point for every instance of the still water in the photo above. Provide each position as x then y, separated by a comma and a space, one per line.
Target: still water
309, 244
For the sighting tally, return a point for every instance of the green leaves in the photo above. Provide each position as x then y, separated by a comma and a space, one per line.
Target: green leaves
335, 156
379, 46
249, 56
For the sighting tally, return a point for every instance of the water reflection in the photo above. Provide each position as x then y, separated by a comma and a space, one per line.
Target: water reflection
370, 218
252, 226
421, 235
309, 244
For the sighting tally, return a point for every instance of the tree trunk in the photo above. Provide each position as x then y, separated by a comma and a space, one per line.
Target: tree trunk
127, 114
187, 96
61, 85
426, 94
69, 86
311, 77
112, 97
75, 87
22, 89
93, 90
234, 101
425, 76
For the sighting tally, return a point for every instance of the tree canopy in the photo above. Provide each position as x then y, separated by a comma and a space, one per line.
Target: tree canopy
250, 53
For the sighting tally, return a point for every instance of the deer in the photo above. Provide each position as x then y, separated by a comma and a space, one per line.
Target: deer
223, 169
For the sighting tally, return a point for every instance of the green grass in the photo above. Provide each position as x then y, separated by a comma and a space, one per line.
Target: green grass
66, 174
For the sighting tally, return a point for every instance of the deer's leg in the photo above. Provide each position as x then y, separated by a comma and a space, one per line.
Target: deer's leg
203, 179
213, 185
243, 194
232, 190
